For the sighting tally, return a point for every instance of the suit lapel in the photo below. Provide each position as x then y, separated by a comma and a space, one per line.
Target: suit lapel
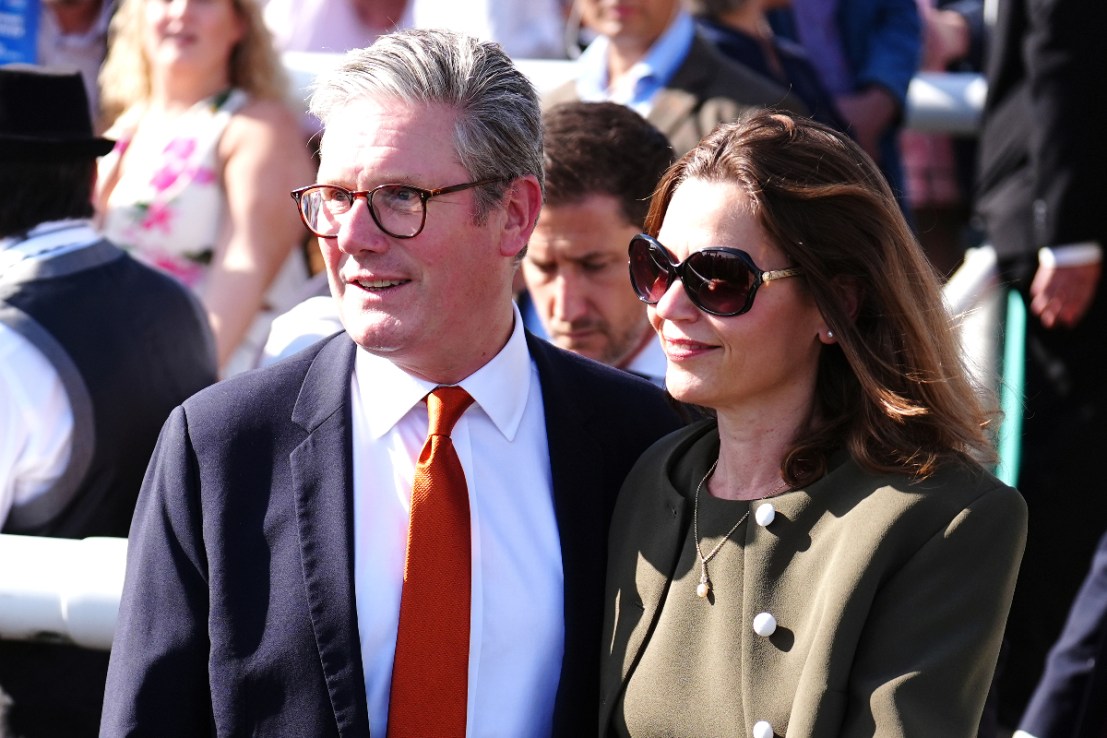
582, 504
322, 476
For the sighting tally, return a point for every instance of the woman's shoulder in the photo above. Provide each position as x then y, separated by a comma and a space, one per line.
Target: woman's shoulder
259, 123
123, 127
957, 486
264, 112
675, 454
262, 127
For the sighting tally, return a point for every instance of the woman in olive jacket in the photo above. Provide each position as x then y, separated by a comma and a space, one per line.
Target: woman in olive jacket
825, 556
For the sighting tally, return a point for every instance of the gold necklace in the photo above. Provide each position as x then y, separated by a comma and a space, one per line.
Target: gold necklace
704, 587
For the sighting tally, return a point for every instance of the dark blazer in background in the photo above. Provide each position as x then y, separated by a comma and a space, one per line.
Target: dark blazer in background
1043, 155
1071, 698
707, 89
238, 614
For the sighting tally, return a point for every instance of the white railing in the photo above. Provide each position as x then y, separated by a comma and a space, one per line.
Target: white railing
67, 590
57, 589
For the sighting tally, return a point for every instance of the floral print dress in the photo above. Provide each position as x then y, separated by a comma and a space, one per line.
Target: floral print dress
168, 207
169, 210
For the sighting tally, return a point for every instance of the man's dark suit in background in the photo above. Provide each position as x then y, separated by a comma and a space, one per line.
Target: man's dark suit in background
1043, 158
1071, 698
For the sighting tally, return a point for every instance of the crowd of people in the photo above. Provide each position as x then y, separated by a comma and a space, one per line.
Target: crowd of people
485, 479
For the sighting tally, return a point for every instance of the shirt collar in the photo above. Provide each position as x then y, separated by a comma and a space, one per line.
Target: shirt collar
49, 239
500, 388
655, 69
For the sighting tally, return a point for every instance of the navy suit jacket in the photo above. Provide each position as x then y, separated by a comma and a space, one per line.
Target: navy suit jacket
1071, 698
238, 613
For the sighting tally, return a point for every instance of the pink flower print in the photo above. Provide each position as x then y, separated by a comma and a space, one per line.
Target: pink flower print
178, 167
180, 148
185, 272
158, 216
203, 175
176, 155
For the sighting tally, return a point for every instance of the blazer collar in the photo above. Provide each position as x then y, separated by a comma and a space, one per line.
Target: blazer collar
664, 510
324, 515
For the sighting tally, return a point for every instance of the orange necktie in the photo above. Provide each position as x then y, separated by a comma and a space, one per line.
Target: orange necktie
431, 672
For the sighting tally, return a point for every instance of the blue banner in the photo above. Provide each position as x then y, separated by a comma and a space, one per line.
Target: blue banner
18, 31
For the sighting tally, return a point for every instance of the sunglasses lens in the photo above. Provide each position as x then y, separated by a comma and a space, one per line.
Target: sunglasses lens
650, 271
718, 282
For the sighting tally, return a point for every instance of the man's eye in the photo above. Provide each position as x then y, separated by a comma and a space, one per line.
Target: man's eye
401, 198
594, 267
335, 196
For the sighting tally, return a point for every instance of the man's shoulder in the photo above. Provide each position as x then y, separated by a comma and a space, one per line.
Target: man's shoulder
716, 76
565, 92
601, 389
586, 372
260, 395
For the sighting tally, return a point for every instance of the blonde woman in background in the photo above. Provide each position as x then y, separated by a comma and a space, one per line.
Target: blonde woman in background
207, 152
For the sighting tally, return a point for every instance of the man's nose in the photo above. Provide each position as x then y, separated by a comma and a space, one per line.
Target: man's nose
570, 300
358, 231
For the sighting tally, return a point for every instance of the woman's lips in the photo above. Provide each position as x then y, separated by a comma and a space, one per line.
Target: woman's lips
680, 349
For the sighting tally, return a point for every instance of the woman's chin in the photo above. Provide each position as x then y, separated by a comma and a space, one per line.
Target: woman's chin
687, 388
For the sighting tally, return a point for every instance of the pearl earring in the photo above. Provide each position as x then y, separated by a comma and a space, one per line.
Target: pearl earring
830, 334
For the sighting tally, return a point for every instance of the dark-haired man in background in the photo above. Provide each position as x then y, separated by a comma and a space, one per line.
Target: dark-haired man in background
603, 162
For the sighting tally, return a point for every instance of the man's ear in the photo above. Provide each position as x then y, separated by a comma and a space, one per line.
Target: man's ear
523, 203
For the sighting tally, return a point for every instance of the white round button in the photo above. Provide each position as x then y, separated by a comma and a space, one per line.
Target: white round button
762, 729
764, 624
765, 514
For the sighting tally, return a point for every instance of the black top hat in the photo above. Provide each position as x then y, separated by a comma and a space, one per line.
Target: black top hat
44, 116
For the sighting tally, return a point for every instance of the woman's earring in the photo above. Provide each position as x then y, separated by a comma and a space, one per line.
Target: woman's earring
830, 334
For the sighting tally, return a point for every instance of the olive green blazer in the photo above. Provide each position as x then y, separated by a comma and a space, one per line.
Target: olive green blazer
890, 596
707, 89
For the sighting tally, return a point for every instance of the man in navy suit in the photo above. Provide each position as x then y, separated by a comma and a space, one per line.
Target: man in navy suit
266, 559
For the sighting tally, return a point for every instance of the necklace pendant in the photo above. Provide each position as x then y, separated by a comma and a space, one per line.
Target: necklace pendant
704, 587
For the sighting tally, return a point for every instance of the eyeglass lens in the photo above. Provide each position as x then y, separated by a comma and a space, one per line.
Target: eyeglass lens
716, 281
397, 209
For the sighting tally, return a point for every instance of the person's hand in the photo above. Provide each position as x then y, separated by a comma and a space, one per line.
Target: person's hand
1061, 295
869, 113
945, 38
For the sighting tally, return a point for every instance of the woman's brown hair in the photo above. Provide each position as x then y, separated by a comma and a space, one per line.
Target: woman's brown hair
893, 389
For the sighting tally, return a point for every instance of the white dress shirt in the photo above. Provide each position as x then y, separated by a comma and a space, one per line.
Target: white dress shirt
517, 634
650, 361
36, 419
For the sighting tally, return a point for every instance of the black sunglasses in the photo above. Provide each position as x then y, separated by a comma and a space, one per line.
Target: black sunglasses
718, 280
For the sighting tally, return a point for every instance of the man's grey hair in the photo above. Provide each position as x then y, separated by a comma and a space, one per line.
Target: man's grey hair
499, 128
